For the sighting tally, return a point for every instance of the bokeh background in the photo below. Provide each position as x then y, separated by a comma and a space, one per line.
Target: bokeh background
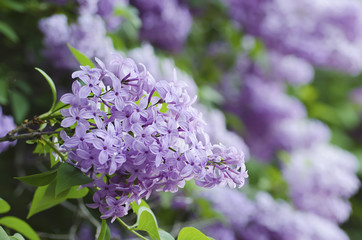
280, 80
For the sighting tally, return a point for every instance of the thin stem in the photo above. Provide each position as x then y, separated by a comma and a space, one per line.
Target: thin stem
130, 229
64, 159
31, 135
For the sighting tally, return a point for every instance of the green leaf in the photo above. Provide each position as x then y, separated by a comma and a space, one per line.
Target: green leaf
4, 206
81, 58
146, 221
105, 233
44, 197
69, 176
135, 207
191, 233
52, 86
129, 13
17, 236
165, 235
20, 106
13, 5
3, 92
19, 226
8, 32
40, 179
3, 234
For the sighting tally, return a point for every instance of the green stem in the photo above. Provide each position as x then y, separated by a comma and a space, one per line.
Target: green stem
130, 229
50, 144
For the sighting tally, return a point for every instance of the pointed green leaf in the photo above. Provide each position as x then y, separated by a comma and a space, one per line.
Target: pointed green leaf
19, 226
146, 221
3, 92
40, 179
190, 233
135, 206
3, 234
105, 233
69, 176
52, 86
4, 206
44, 197
81, 58
165, 235
8, 32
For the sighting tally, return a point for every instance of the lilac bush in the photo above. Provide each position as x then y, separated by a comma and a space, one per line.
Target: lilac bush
262, 104
266, 218
134, 135
165, 23
58, 34
105, 9
325, 33
321, 178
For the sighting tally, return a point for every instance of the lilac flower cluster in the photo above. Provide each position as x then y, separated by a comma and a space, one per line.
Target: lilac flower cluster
165, 23
325, 33
134, 135
265, 218
88, 35
275, 121
262, 104
7, 124
164, 68
105, 9
321, 179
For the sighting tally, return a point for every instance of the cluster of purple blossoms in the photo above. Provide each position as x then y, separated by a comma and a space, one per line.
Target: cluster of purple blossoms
134, 135
164, 68
321, 179
262, 104
7, 124
58, 33
165, 23
325, 33
266, 218
105, 9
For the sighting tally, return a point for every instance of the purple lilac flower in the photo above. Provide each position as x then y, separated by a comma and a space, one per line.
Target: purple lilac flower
219, 231
216, 128
164, 68
301, 133
88, 35
288, 68
165, 23
105, 9
273, 120
321, 179
7, 124
268, 219
325, 33
145, 136
261, 104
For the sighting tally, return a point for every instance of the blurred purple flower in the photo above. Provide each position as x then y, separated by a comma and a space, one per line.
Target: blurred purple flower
165, 23
7, 124
325, 33
321, 178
